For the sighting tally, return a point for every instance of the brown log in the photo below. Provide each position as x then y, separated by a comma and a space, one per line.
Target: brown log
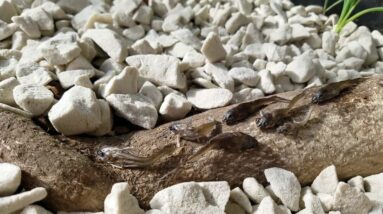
346, 132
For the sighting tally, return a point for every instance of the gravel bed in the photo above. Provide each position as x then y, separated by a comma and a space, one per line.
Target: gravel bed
80, 63
283, 195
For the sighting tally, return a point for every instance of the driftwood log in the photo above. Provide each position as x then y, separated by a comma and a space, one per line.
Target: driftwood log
347, 132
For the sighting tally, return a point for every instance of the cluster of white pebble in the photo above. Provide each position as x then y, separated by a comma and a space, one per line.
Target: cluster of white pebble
161, 59
283, 195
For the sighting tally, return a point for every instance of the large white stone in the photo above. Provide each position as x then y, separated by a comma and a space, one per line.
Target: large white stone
357, 182
374, 183
254, 190
239, 197
10, 178
190, 197
135, 108
27, 25
120, 201
60, 49
209, 98
78, 111
285, 186
68, 78
326, 181
266, 83
247, 94
236, 21
6, 30
268, 206
35, 209
186, 36
349, 200
33, 98
7, 11
301, 69
244, 75
326, 200
123, 83
10, 204
106, 119
109, 41
72, 6
193, 59
312, 203
329, 40
220, 75
6, 90
175, 107
42, 18
151, 91
213, 49
8, 68
159, 69
216, 192
33, 73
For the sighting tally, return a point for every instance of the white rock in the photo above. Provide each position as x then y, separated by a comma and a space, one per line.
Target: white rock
376, 198
376, 210
54, 10
204, 83
239, 197
79, 63
109, 41
326, 200
285, 186
268, 206
357, 182
301, 69
32, 73
6, 90
276, 69
134, 33
334, 212
78, 111
349, 200
280, 35
142, 47
42, 18
216, 192
150, 91
72, 6
254, 190
143, 15
352, 49
374, 183
186, 36
33, 98
180, 49
68, 78
377, 37
190, 197
329, 40
213, 49
326, 181
159, 69
120, 201
194, 59
363, 36
6, 30
247, 94
60, 49
106, 120
244, 6
123, 83
84, 81
315, 41
273, 52
245, 75
174, 107
220, 75
235, 22
154, 211
10, 204
312, 203
233, 208
135, 108
19, 40
255, 51
27, 25
7, 11
34, 209
260, 64
266, 82
352, 63
10, 178
83, 19
207, 98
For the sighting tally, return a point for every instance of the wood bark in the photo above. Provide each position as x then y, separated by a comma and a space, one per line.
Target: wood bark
346, 132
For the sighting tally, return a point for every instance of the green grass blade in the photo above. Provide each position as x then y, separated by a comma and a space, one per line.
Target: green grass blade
325, 6
364, 12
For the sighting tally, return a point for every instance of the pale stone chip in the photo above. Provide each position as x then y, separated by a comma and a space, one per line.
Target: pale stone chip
266, 83
134, 33
244, 75
239, 197
27, 25
135, 108
78, 111
220, 75
326, 181
109, 41
10, 204
6, 90
6, 30
73, 6
374, 183
159, 69
254, 190
285, 186
186, 36
60, 49
33, 98
119, 200
7, 11
151, 91
68, 78
175, 107
10, 178
236, 21
213, 49
349, 200
35, 209
209, 98
32, 73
